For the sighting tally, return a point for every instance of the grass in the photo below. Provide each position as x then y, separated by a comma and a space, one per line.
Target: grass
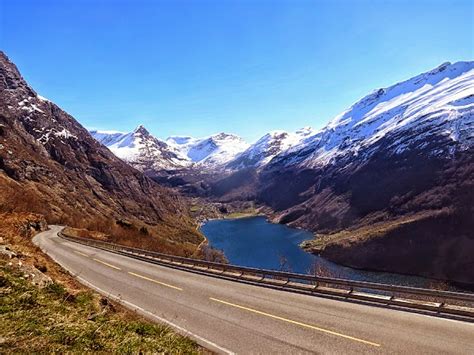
52, 319
195, 208
66, 316
363, 233
249, 212
235, 215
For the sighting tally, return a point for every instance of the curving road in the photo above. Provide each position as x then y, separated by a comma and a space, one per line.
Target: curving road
231, 317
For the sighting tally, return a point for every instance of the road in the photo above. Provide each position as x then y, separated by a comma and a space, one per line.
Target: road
232, 317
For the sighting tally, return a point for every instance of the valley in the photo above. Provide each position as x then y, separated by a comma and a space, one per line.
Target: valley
386, 185
255, 242
236, 177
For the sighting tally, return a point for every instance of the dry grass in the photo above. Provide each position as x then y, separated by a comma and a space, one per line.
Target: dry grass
66, 316
136, 237
53, 319
176, 234
366, 232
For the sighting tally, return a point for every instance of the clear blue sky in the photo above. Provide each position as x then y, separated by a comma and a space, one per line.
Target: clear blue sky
198, 67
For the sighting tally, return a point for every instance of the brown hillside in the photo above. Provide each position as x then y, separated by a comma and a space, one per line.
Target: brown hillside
50, 164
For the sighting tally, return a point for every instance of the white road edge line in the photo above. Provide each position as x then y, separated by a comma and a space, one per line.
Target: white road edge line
163, 320
180, 329
141, 261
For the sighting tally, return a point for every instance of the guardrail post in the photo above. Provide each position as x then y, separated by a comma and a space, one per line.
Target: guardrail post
390, 299
259, 275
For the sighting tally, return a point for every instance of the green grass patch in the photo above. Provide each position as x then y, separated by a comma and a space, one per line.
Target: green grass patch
242, 214
195, 208
52, 319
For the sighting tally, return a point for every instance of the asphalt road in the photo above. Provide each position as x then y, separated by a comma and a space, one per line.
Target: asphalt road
231, 317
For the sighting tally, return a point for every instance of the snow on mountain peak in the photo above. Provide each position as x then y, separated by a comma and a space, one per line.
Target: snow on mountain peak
439, 101
214, 150
141, 149
269, 146
421, 84
140, 129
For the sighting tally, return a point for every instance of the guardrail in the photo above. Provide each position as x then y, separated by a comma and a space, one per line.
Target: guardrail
433, 301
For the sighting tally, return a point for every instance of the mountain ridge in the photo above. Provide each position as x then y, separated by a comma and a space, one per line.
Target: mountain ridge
381, 112
152, 155
50, 164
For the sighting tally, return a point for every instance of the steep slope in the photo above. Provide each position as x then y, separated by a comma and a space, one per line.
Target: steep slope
142, 150
51, 165
268, 147
209, 152
438, 102
390, 181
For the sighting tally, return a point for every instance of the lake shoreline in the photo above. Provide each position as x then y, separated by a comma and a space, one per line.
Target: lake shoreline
253, 241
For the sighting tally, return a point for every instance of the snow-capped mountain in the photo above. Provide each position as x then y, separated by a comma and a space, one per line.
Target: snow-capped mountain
148, 153
141, 149
390, 147
212, 151
267, 147
439, 102
50, 165
396, 170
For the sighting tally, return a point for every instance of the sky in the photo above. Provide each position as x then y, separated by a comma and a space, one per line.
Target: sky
198, 67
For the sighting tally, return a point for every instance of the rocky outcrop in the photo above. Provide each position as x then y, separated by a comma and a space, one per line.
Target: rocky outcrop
51, 165
142, 150
17, 230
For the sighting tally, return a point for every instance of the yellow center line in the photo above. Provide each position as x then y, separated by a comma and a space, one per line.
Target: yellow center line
296, 323
107, 264
155, 281
78, 252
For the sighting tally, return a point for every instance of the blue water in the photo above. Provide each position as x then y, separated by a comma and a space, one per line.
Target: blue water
255, 242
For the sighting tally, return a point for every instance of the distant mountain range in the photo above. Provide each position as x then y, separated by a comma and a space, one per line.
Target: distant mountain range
434, 103
142, 150
219, 151
388, 184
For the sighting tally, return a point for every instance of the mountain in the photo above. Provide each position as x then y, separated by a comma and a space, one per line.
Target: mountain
410, 113
142, 150
151, 155
268, 147
213, 151
389, 183
50, 164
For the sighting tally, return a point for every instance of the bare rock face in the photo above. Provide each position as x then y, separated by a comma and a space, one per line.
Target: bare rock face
50, 164
142, 150
396, 171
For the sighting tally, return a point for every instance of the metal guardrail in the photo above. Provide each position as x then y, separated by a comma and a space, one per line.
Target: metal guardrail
434, 301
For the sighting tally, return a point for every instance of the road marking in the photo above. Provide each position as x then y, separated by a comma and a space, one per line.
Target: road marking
296, 322
180, 329
119, 299
78, 252
107, 264
155, 281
